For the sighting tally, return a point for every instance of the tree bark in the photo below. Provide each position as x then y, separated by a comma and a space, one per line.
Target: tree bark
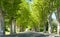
58, 28
38, 27
44, 28
2, 29
50, 24
58, 20
13, 27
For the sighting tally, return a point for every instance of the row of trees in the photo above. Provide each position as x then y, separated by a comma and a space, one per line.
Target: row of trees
33, 14
45, 8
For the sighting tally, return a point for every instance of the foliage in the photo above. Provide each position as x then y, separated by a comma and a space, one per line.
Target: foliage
34, 18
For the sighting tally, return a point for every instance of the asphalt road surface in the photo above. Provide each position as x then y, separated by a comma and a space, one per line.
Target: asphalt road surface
30, 34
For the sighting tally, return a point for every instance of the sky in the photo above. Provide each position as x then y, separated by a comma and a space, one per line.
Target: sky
53, 16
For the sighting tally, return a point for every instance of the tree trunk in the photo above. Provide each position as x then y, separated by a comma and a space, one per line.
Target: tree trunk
13, 27
58, 28
38, 28
2, 30
58, 20
44, 28
50, 24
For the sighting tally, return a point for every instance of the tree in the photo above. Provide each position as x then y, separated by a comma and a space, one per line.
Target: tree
57, 5
2, 30
11, 7
45, 9
23, 19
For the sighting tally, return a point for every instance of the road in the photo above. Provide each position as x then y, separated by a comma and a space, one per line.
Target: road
31, 34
